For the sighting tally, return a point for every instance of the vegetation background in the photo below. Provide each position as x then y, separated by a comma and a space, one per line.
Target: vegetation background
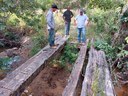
108, 25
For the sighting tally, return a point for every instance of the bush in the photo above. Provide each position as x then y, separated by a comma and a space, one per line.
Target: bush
39, 41
4, 63
108, 49
106, 21
70, 54
68, 57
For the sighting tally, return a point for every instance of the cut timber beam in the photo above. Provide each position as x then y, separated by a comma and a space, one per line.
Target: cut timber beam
15, 83
70, 89
97, 80
86, 87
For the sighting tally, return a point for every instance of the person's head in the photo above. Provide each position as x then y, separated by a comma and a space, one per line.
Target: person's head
68, 8
81, 11
54, 7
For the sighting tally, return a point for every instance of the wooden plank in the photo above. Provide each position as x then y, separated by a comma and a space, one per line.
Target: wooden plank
4, 92
76, 72
23, 75
109, 88
86, 86
101, 75
97, 80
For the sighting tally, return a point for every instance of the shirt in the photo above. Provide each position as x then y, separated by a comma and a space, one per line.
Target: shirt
81, 20
67, 15
50, 20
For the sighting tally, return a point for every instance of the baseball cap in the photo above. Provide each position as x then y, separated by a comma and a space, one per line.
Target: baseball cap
81, 10
54, 6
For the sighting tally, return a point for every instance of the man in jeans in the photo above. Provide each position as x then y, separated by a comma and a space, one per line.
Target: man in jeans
67, 18
51, 25
81, 21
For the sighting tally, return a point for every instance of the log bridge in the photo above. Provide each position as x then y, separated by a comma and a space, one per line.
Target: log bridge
96, 82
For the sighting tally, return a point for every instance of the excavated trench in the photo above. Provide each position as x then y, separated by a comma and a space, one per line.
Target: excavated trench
54, 80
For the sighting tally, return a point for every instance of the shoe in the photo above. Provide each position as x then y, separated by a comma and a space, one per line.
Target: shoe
67, 36
54, 46
83, 44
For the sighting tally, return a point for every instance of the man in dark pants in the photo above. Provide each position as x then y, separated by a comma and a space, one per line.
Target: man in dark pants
51, 25
67, 18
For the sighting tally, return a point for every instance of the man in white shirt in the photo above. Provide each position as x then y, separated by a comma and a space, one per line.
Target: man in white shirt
81, 21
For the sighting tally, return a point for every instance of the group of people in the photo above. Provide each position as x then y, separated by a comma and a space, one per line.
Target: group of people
81, 20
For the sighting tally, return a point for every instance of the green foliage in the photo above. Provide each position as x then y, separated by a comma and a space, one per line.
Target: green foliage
68, 57
70, 54
108, 49
22, 9
11, 36
122, 53
106, 21
13, 20
2, 26
39, 40
4, 63
1, 44
123, 63
45, 4
35, 50
106, 4
124, 17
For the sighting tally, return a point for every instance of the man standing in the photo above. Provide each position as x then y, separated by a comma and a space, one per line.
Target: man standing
51, 25
67, 18
81, 21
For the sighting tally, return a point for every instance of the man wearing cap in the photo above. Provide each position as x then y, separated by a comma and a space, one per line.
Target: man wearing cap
81, 21
51, 25
67, 18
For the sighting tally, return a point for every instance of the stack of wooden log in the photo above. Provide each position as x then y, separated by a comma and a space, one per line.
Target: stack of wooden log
97, 80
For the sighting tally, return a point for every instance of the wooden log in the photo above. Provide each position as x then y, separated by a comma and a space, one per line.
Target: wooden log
70, 89
109, 88
100, 76
97, 80
20, 78
4, 92
86, 86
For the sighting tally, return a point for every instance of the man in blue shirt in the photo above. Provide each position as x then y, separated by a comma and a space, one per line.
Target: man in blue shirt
67, 18
51, 25
81, 21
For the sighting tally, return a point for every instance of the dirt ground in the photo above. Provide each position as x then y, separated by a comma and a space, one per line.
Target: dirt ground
50, 82
122, 90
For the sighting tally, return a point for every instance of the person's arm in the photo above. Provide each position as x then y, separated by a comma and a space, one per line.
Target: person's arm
75, 21
64, 18
71, 14
87, 21
49, 21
